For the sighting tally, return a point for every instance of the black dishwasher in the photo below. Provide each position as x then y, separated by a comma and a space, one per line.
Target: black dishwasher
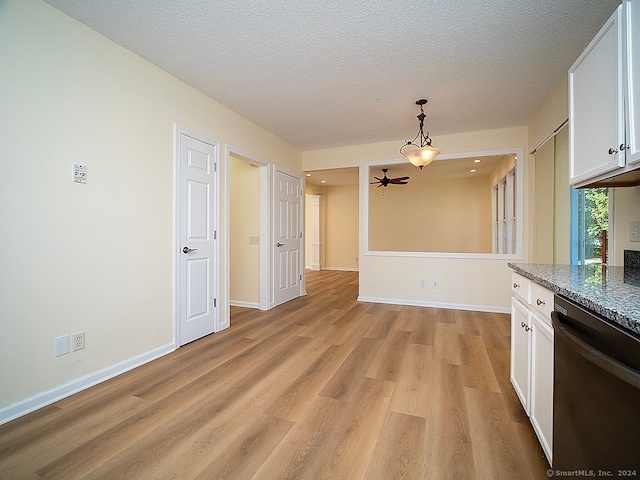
596, 399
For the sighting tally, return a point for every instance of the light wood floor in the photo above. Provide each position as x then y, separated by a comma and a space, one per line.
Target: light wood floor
322, 387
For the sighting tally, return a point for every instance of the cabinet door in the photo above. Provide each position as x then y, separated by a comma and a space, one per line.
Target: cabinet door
541, 394
520, 351
596, 105
632, 19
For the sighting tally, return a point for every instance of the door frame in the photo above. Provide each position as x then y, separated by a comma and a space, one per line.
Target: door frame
301, 262
264, 168
178, 131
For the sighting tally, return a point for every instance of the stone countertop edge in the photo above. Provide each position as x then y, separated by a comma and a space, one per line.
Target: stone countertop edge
607, 309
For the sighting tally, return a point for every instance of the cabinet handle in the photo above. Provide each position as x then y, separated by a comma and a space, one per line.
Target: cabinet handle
540, 302
612, 151
515, 285
527, 329
623, 146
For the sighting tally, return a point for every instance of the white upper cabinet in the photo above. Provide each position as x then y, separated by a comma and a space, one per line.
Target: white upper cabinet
596, 105
604, 101
632, 23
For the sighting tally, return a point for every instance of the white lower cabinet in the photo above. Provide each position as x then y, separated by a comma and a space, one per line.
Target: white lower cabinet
520, 351
532, 359
541, 405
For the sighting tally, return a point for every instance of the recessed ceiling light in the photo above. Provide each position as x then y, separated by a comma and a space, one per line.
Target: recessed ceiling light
308, 174
473, 170
477, 160
323, 181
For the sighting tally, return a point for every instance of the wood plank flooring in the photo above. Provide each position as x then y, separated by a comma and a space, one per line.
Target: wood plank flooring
322, 387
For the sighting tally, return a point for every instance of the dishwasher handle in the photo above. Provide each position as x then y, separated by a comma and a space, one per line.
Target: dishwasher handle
605, 362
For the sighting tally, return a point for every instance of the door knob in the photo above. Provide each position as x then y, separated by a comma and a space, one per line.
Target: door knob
188, 250
279, 244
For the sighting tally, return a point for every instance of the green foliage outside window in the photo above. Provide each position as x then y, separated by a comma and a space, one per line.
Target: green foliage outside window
593, 215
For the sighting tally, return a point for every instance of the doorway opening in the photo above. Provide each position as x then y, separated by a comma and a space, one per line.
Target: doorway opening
248, 231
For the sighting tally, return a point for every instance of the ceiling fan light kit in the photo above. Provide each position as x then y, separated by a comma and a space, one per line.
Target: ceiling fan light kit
419, 151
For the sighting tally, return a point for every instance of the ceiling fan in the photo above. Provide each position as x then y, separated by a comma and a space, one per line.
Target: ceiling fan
384, 181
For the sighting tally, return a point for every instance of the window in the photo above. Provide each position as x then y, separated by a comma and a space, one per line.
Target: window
589, 225
504, 214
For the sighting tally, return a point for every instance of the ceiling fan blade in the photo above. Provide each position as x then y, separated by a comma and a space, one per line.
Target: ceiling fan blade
398, 181
371, 183
402, 178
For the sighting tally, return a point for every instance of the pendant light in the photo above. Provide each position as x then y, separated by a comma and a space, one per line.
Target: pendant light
420, 153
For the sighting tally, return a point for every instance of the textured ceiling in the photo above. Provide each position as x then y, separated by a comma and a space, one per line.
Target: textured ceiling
346, 72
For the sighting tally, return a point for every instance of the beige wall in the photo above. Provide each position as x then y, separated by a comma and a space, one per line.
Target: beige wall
338, 226
97, 257
439, 215
464, 282
341, 218
552, 113
244, 222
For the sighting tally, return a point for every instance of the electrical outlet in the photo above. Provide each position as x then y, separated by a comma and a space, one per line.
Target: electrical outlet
436, 283
423, 283
77, 341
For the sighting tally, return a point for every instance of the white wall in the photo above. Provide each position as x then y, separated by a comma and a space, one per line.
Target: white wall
626, 209
97, 257
464, 283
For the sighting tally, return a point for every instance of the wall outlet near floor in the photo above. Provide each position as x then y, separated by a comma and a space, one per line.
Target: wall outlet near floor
423, 283
634, 227
77, 341
435, 283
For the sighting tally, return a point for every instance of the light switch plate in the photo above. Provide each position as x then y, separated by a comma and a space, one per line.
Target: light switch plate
79, 173
635, 231
62, 345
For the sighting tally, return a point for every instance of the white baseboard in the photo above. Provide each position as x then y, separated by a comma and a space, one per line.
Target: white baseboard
234, 303
42, 399
334, 268
450, 306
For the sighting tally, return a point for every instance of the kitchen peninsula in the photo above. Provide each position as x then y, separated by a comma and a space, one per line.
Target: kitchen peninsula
584, 340
605, 290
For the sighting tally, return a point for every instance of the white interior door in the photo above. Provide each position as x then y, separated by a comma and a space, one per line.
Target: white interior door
196, 237
287, 234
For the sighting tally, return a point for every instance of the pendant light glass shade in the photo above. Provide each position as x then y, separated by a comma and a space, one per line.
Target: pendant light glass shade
421, 157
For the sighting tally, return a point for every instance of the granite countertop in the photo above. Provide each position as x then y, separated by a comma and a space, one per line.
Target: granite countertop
602, 289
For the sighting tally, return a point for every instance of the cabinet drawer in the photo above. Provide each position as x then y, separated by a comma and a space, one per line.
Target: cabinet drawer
542, 301
521, 286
